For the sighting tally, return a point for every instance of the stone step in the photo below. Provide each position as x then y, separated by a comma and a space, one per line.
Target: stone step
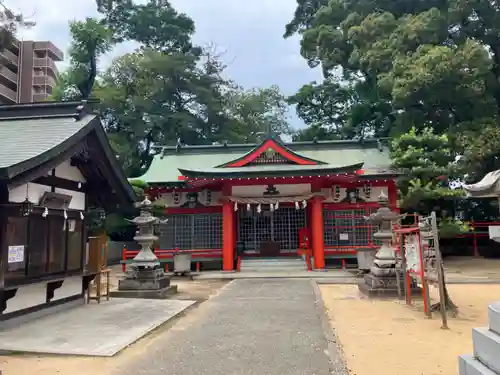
271, 270
285, 264
468, 365
272, 265
494, 317
487, 347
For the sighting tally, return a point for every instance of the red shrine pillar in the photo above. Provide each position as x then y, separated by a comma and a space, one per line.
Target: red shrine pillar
227, 237
318, 245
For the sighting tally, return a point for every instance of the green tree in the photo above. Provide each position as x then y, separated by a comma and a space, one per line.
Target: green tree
252, 113
10, 23
90, 40
427, 165
411, 64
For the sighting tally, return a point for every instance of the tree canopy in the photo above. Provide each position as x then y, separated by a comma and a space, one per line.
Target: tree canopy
167, 90
414, 69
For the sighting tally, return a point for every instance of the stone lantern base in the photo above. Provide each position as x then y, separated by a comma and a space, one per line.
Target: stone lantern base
385, 285
142, 282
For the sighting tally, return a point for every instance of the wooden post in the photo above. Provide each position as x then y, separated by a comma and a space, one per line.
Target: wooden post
227, 237
440, 274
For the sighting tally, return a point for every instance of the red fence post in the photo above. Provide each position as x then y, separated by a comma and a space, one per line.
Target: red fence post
124, 257
474, 239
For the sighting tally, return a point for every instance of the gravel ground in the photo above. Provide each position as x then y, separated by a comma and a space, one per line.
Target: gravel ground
252, 327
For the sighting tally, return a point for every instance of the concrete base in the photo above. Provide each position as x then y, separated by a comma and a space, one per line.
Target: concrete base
468, 365
486, 344
144, 283
162, 293
383, 287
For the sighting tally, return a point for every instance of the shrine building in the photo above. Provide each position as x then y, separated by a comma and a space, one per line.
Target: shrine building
270, 199
55, 165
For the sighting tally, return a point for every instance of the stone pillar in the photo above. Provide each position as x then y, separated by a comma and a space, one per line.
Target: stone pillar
145, 277
318, 244
227, 237
381, 281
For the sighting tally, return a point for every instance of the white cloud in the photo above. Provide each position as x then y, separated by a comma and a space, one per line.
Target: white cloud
250, 31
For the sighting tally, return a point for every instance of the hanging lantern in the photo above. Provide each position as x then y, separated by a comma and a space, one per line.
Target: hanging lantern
304, 204
176, 197
45, 212
65, 214
26, 207
271, 207
297, 207
235, 206
248, 207
367, 190
276, 206
208, 197
259, 209
336, 192
81, 216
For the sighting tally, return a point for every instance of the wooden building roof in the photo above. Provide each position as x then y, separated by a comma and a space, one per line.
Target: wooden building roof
270, 158
36, 137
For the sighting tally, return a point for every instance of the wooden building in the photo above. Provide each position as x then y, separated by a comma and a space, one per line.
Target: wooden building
268, 197
55, 162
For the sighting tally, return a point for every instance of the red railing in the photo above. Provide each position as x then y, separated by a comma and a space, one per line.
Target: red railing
169, 254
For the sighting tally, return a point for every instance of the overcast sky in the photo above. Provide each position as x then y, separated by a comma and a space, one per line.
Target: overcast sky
249, 31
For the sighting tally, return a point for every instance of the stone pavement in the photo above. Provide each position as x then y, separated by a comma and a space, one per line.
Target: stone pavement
94, 329
252, 327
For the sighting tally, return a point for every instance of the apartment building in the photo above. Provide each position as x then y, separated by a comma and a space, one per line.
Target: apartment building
28, 72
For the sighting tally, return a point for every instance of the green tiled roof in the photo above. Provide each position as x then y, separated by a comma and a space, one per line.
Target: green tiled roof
336, 154
21, 140
35, 135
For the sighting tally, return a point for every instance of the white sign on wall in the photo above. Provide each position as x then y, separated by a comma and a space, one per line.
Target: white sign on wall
16, 254
344, 236
270, 190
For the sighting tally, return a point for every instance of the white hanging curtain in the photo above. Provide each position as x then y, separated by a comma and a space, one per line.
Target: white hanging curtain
273, 200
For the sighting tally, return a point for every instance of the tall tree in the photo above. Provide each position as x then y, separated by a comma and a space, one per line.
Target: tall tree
252, 113
90, 40
10, 23
427, 63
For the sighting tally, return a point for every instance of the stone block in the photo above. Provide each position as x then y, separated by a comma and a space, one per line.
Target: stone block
163, 293
494, 317
381, 282
487, 347
468, 365
144, 284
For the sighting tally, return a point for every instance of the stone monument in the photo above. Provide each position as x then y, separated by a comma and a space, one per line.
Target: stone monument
382, 281
145, 277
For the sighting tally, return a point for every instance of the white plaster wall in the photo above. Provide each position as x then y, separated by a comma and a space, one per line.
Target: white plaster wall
71, 286
258, 190
78, 201
67, 171
375, 192
34, 192
27, 296
35, 294
170, 201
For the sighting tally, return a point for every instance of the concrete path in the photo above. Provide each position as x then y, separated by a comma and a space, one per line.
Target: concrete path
252, 327
94, 329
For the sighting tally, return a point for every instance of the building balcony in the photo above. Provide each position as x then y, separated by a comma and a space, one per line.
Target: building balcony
46, 63
40, 97
7, 95
54, 52
10, 57
9, 74
44, 80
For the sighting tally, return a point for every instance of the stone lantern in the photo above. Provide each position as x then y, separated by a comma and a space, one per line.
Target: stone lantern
145, 278
381, 280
